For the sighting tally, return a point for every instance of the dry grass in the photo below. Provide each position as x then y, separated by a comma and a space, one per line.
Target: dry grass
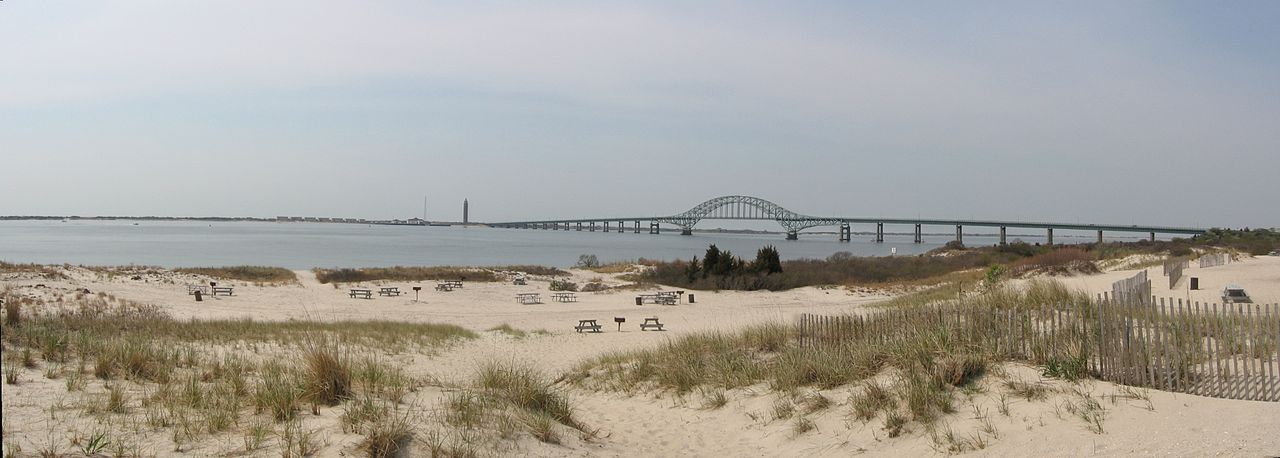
402, 273
256, 274
932, 359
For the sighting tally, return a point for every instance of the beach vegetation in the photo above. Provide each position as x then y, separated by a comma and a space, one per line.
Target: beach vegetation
403, 273
255, 274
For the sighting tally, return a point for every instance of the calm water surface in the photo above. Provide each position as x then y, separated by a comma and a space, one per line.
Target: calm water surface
307, 245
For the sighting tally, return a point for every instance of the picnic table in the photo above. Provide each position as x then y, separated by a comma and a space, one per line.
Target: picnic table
520, 281
587, 325
564, 297
191, 289
365, 293
528, 298
226, 290
660, 298
651, 322
453, 283
444, 286
389, 291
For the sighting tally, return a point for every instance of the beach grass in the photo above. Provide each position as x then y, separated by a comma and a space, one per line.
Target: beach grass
256, 274
403, 273
925, 363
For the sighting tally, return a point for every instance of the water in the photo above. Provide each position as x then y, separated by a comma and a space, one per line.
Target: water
307, 245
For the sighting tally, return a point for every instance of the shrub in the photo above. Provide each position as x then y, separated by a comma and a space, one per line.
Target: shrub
260, 274
563, 285
588, 261
400, 273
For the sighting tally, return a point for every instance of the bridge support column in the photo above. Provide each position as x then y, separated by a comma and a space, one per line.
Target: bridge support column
793, 235
622, 226
566, 227
919, 239
1099, 236
1153, 236
1048, 236
654, 228
637, 226
606, 226
879, 232
1002, 233
959, 234
593, 226
846, 233
686, 231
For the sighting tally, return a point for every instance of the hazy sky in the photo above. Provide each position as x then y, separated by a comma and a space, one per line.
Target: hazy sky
1133, 112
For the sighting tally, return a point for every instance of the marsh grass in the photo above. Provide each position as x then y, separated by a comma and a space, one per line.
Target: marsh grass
327, 374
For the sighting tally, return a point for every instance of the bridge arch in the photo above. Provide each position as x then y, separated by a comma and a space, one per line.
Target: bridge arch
745, 208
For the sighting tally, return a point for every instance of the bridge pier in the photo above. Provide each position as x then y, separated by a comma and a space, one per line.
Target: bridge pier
919, 239
579, 227
1048, 236
1002, 232
622, 226
846, 233
593, 226
606, 226
637, 226
654, 228
686, 231
879, 232
793, 235
959, 234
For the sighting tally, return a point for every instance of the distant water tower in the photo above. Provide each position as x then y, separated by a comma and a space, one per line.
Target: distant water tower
465, 209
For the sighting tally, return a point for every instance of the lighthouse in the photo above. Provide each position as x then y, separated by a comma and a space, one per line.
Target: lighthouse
465, 209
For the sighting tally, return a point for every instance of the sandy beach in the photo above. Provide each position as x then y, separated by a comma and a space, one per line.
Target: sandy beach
661, 423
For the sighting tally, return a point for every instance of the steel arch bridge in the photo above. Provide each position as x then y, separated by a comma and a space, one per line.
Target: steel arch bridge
745, 208
739, 207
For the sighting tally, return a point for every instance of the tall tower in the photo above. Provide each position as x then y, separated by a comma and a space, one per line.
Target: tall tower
465, 209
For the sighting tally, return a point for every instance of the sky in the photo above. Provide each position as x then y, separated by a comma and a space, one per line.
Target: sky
1142, 112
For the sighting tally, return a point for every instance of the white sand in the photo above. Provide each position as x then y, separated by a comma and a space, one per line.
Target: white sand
663, 425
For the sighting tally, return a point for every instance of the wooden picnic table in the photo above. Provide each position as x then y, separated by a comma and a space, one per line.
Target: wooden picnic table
444, 286
564, 297
191, 289
659, 298
389, 291
528, 298
365, 293
587, 325
651, 322
453, 283
222, 290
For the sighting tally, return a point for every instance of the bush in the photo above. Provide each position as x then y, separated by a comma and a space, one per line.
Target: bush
588, 261
400, 273
563, 285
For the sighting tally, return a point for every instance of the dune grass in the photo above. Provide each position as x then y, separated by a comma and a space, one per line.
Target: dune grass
926, 361
256, 274
403, 273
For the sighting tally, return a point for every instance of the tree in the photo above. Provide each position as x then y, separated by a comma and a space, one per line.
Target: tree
711, 260
692, 269
588, 261
767, 260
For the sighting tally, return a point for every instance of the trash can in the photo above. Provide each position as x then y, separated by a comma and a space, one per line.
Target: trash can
639, 300
691, 298
198, 299
1195, 283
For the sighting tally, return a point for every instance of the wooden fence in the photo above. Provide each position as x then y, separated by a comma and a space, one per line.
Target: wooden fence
1173, 269
1225, 351
1214, 260
1135, 286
